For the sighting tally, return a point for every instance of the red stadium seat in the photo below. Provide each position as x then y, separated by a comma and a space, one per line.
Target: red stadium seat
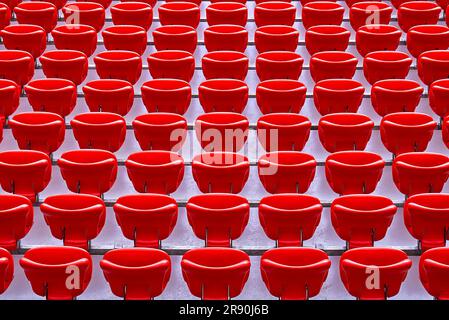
382, 65
332, 65
58, 3
395, 95
48, 268
175, 37
11, 3
109, 95
294, 273
286, 171
426, 217
74, 218
40, 13
175, 64
279, 65
349, 172
99, 130
17, 66
222, 131
179, 12
146, 219
276, 38
9, 95
88, 171
166, 95
16, 217
223, 95
226, 37
322, 13
160, 131
345, 131
52, 95
369, 13
434, 272
283, 131
75, 37
136, 273
132, 13
220, 172
41, 131
374, 273
6, 269
274, 13
24, 172
129, 37
90, 13
338, 95
442, 3
418, 172
215, 273
5, 15
381, 37
362, 219
65, 64
225, 64
119, 64
433, 65
439, 97
424, 38
445, 131
416, 13
227, 13
327, 38
406, 131
279, 95
289, 219
25, 37
155, 171
218, 218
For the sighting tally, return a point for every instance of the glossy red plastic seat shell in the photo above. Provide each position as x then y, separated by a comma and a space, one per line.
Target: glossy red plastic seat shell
363, 13
337, 96
40, 13
382, 65
276, 38
274, 13
406, 131
351, 172
41, 131
136, 273
426, 217
155, 171
74, 218
89, 13
424, 38
90, 171
225, 64
125, 37
52, 95
332, 65
390, 264
218, 218
17, 66
223, 95
5, 15
345, 131
414, 13
226, 37
109, 95
9, 95
146, 219
175, 64
279, 65
434, 271
381, 37
433, 65
75, 37
119, 64
418, 172
283, 131
280, 95
215, 273
179, 12
160, 131
175, 37
220, 172
294, 273
132, 13
286, 171
65, 64
322, 12
166, 95
99, 130
439, 97
289, 219
16, 217
362, 219
222, 131
327, 38
46, 270
227, 12
6, 269
25, 37
395, 95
